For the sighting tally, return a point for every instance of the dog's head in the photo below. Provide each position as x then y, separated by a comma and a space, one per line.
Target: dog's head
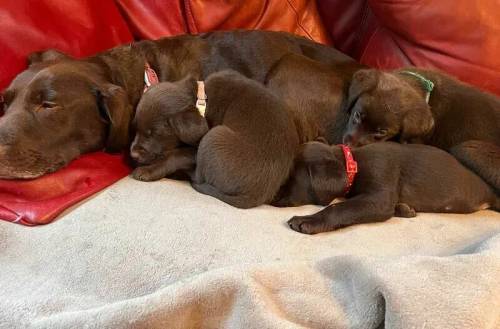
383, 106
166, 118
318, 177
56, 110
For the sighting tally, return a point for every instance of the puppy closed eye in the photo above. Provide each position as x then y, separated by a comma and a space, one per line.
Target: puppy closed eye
381, 133
45, 105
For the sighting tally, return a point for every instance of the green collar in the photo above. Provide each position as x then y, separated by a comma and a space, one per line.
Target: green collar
426, 83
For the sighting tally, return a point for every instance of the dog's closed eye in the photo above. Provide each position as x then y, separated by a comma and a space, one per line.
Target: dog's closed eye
48, 105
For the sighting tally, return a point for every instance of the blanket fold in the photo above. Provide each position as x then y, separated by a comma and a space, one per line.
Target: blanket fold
166, 256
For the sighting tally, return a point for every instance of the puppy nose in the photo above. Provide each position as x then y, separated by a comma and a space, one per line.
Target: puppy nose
135, 154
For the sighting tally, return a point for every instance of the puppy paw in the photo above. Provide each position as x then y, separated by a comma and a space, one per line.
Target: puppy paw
404, 210
144, 174
308, 224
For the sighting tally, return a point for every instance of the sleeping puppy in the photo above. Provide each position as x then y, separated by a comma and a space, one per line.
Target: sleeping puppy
420, 106
247, 138
391, 180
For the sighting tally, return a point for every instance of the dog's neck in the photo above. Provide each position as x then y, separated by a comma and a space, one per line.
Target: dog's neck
440, 98
426, 85
125, 64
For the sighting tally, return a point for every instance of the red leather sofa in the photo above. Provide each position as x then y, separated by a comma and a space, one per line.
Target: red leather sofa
460, 37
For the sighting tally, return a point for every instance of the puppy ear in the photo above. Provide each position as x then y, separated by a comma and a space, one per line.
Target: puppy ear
116, 110
189, 126
417, 123
46, 56
362, 81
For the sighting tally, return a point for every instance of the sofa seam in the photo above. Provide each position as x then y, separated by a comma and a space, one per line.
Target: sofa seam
299, 23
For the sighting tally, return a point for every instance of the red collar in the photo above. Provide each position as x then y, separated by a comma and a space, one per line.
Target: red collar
150, 77
351, 167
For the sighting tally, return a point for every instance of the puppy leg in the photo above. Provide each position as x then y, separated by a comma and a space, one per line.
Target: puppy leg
182, 159
481, 157
232, 168
404, 210
365, 208
241, 201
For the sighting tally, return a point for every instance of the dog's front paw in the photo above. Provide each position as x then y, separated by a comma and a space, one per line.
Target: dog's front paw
308, 224
144, 174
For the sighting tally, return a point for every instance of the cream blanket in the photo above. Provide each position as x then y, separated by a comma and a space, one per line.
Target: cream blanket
160, 255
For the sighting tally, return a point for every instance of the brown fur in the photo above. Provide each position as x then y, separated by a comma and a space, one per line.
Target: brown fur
392, 179
459, 118
245, 156
61, 107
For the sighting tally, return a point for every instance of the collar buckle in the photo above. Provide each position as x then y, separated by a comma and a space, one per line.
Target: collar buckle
201, 98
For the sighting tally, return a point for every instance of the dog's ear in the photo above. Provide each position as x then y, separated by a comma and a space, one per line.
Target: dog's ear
116, 110
362, 81
189, 126
46, 56
417, 123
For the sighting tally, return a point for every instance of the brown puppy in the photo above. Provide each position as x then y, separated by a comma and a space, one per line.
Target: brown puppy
420, 106
392, 179
245, 156
62, 107
315, 92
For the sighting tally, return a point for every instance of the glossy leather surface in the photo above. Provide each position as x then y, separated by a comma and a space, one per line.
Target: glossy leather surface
39, 201
152, 19
79, 28
460, 37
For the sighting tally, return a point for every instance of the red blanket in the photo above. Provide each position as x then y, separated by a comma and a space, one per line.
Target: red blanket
39, 201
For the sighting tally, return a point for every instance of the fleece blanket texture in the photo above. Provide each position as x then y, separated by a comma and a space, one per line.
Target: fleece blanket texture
160, 255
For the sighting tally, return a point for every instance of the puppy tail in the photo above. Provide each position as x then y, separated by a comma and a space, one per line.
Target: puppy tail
239, 201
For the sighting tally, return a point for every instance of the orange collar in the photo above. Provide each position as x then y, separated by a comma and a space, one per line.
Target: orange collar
351, 167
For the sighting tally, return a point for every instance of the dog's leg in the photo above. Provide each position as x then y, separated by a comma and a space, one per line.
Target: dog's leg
239, 201
364, 208
182, 159
481, 157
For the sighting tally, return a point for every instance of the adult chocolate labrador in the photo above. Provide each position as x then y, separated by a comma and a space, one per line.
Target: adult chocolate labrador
421, 106
61, 107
